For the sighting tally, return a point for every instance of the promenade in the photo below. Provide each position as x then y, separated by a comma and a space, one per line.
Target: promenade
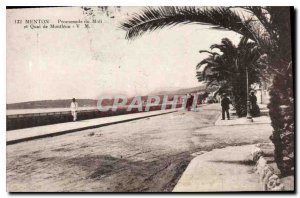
20, 135
228, 169
149, 154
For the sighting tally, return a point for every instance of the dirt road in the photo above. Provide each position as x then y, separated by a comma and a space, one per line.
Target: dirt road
143, 155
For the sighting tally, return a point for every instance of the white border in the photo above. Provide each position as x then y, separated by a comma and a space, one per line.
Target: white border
149, 2
3, 5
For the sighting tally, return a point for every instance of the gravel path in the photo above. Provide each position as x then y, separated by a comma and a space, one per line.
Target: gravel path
143, 155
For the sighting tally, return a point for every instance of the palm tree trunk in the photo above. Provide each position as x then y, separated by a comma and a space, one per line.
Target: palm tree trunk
282, 116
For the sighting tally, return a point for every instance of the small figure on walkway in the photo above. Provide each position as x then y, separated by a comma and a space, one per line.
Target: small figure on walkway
254, 108
225, 102
189, 104
74, 108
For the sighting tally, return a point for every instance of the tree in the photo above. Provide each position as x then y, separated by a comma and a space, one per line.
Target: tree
270, 29
228, 69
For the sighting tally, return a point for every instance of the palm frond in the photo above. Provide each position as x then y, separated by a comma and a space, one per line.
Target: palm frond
243, 42
226, 47
208, 61
209, 52
151, 19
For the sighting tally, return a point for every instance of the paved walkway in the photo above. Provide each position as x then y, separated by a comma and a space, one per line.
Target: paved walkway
20, 135
227, 169
243, 121
234, 120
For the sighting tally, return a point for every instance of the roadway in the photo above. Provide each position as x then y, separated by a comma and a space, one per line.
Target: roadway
148, 154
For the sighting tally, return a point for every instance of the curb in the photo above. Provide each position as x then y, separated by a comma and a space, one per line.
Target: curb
10, 142
268, 179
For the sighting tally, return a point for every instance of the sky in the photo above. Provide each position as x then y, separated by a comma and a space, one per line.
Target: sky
48, 64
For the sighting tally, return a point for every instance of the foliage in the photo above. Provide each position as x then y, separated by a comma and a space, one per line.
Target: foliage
228, 69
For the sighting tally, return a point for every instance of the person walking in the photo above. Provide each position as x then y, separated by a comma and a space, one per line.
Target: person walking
225, 102
254, 109
190, 99
74, 109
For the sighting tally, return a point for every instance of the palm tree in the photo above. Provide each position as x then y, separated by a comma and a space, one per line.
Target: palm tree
228, 69
270, 29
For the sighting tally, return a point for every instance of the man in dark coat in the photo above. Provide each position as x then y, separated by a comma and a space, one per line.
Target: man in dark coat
254, 110
189, 104
225, 106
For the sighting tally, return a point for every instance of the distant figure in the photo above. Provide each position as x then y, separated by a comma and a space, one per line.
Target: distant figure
189, 103
254, 108
74, 108
225, 102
